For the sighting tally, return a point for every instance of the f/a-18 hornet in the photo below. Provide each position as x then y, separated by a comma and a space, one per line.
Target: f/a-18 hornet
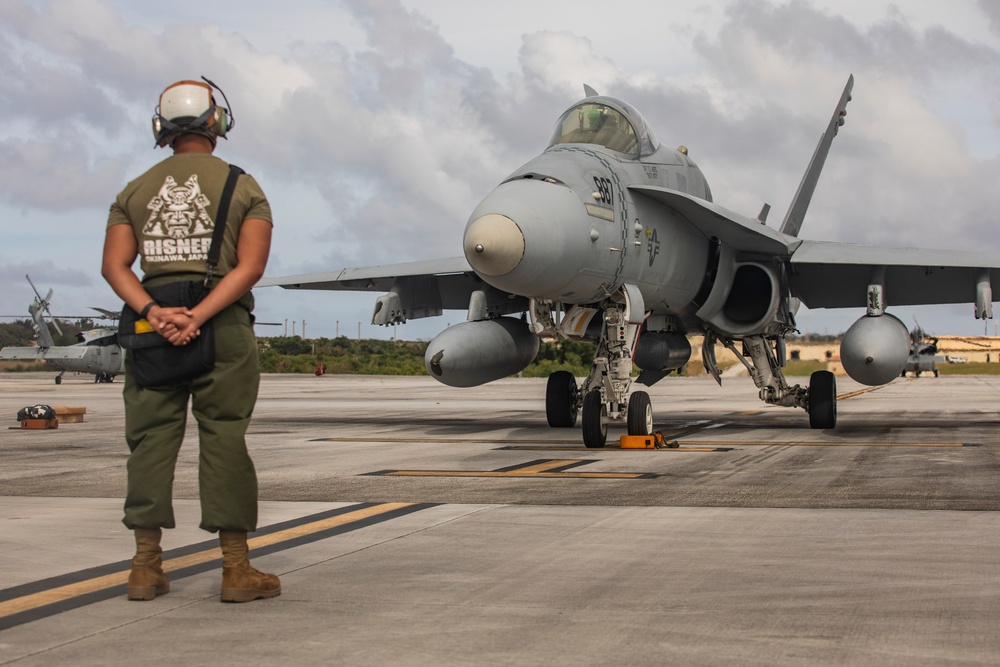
609, 236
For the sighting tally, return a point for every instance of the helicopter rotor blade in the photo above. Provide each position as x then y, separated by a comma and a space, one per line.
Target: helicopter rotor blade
37, 293
44, 303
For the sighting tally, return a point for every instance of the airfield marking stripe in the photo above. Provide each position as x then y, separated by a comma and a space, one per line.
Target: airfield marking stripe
120, 578
802, 443
548, 465
332, 522
686, 430
494, 473
61, 593
852, 394
544, 468
392, 438
682, 449
261, 541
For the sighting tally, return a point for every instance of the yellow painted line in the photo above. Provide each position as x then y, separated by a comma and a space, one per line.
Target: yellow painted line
516, 473
61, 593
545, 469
852, 394
730, 443
673, 435
610, 449
547, 466
396, 439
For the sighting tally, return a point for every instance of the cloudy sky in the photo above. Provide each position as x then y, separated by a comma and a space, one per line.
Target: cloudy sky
375, 126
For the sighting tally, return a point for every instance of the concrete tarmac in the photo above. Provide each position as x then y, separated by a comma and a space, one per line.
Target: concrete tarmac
416, 524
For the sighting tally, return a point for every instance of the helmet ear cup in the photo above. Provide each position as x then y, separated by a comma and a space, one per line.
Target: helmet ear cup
222, 121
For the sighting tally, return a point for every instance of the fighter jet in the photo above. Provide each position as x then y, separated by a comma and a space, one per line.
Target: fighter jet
97, 352
611, 237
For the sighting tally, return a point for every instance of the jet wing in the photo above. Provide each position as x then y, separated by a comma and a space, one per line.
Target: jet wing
837, 275
370, 278
422, 289
740, 232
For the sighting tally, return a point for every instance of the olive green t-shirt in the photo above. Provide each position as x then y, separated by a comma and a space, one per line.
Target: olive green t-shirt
172, 210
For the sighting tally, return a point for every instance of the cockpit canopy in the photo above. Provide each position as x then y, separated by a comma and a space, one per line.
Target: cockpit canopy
607, 122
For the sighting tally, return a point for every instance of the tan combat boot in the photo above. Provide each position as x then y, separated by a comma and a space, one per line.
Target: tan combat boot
240, 581
147, 580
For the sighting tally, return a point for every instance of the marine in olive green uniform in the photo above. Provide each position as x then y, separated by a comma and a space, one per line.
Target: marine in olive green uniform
171, 209
167, 217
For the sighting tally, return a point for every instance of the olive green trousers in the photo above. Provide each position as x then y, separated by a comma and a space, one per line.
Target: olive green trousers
222, 402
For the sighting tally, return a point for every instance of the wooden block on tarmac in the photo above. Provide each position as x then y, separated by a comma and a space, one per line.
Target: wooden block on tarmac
69, 415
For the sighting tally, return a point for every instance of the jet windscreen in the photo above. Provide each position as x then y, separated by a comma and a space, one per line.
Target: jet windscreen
591, 123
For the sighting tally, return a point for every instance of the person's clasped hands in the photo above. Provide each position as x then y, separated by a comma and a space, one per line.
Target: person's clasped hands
177, 324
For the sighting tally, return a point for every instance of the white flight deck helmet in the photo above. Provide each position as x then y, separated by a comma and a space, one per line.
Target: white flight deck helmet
189, 107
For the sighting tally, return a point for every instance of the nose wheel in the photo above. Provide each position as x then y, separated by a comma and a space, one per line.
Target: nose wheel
640, 414
596, 418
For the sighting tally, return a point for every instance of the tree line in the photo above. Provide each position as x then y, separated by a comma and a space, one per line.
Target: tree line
343, 356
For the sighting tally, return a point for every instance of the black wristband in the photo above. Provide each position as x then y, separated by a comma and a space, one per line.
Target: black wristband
147, 308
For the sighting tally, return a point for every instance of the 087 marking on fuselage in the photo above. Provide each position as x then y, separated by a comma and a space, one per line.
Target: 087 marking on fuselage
611, 237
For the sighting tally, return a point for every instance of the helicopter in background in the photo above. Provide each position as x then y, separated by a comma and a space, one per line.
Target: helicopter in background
97, 351
923, 354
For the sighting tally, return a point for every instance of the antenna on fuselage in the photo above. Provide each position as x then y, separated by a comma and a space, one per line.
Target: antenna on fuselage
590, 92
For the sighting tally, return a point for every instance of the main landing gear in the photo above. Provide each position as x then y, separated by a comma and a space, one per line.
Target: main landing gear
759, 357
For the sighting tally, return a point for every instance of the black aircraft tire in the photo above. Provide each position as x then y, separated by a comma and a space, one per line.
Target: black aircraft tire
595, 420
561, 396
640, 414
822, 400
58, 379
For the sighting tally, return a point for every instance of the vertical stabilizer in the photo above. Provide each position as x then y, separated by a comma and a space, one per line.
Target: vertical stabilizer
40, 326
797, 211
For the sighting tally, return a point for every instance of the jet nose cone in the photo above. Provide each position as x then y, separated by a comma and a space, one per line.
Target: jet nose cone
494, 244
